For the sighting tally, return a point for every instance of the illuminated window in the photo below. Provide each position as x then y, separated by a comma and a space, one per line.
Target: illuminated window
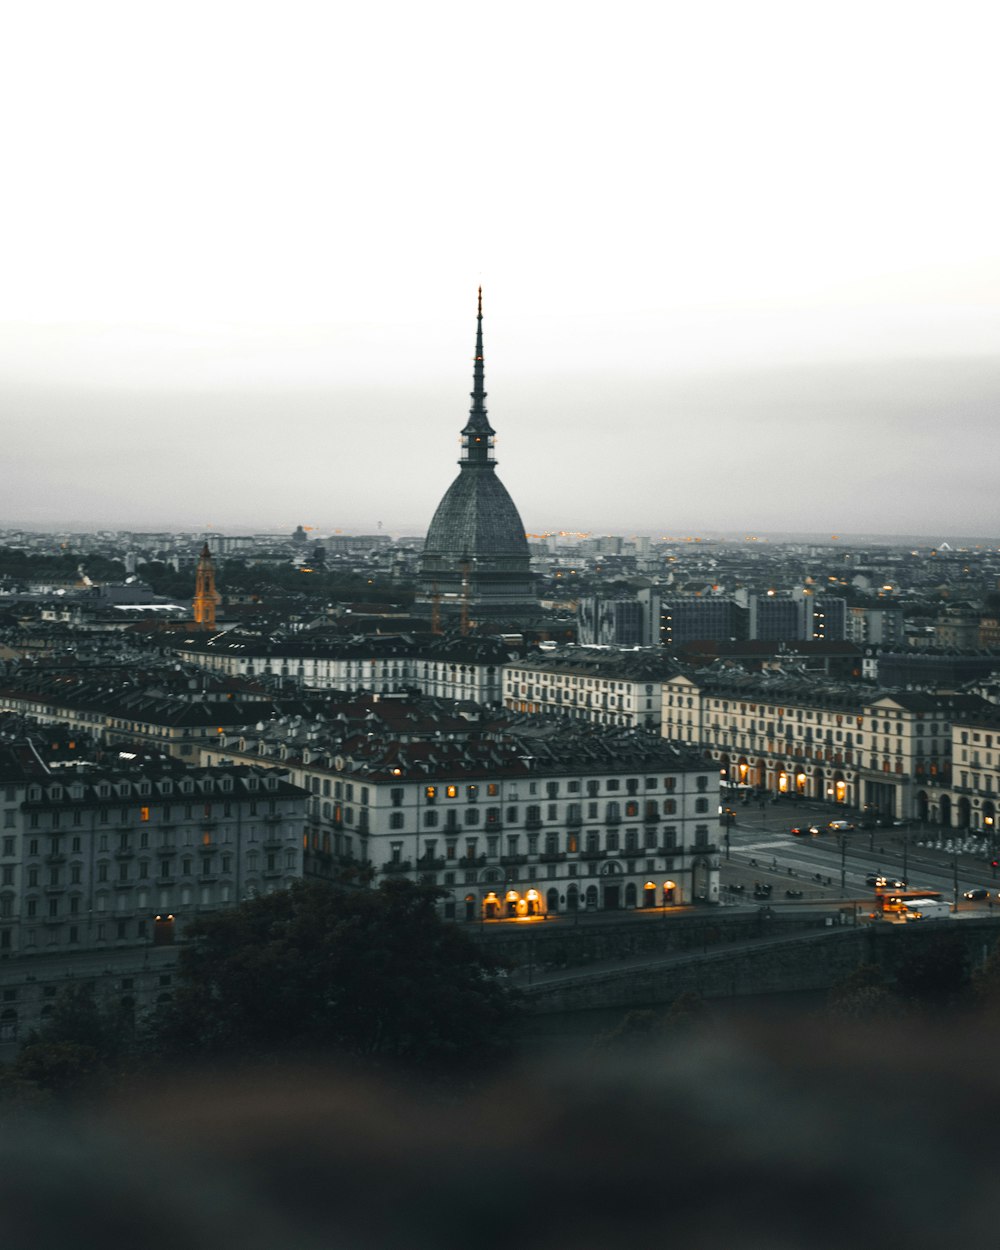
144, 813
452, 791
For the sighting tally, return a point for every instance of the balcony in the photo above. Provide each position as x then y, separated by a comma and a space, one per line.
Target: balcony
533, 822
593, 855
552, 857
612, 820
509, 860
651, 818
494, 826
397, 866
430, 863
574, 822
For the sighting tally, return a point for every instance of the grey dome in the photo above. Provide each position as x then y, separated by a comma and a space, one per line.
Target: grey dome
476, 518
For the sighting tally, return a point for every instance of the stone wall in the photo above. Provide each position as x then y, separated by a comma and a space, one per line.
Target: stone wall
739, 960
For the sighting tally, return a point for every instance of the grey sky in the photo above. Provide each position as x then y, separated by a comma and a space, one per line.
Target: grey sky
740, 264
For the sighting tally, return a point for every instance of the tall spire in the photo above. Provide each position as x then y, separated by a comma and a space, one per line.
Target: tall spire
477, 436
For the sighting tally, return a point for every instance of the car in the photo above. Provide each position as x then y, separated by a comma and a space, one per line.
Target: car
889, 883
840, 826
977, 892
798, 831
874, 878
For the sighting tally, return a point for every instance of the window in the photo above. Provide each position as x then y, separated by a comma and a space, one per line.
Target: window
396, 820
430, 819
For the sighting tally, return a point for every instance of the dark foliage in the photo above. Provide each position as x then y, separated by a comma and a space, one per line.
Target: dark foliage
84, 1043
936, 976
370, 974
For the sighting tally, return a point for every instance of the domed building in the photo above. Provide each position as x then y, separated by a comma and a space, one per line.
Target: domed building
475, 562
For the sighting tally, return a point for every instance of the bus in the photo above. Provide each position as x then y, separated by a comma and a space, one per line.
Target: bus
893, 904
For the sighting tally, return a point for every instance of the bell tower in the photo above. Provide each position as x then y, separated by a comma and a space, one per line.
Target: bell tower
205, 594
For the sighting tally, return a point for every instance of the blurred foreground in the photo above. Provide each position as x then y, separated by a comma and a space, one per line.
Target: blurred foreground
790, 1134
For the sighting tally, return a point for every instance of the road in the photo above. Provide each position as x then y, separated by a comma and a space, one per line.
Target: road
762, 850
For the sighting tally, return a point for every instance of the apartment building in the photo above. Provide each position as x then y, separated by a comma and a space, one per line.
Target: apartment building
447, 667
889, 751
537, 820
99, 858
605, 687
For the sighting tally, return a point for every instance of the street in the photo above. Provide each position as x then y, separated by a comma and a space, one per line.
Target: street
763, 852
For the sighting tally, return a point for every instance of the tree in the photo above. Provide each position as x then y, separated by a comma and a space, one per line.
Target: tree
863, 996
936, 975
84, 1042
371, 974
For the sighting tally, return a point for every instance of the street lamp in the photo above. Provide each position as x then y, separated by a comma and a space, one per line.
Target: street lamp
843, 864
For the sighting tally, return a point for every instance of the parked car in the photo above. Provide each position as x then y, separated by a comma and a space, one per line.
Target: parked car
977, 892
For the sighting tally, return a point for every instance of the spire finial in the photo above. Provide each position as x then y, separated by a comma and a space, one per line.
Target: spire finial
477, 433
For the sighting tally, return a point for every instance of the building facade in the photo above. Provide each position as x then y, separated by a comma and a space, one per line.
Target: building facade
444, 667
513, 824
96, 859
887, 751
604, 687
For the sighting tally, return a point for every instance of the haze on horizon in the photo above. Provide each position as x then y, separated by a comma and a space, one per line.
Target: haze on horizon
740, 265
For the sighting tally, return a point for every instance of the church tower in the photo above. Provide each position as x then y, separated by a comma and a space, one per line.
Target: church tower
476, 562
205, 595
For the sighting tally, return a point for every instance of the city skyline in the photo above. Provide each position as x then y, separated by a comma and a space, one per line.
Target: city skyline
741, 278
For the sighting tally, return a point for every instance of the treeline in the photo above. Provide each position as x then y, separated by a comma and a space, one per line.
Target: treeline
29, 566
309, 974
269, 580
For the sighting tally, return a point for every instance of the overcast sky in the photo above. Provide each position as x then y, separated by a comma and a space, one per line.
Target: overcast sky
740, 263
